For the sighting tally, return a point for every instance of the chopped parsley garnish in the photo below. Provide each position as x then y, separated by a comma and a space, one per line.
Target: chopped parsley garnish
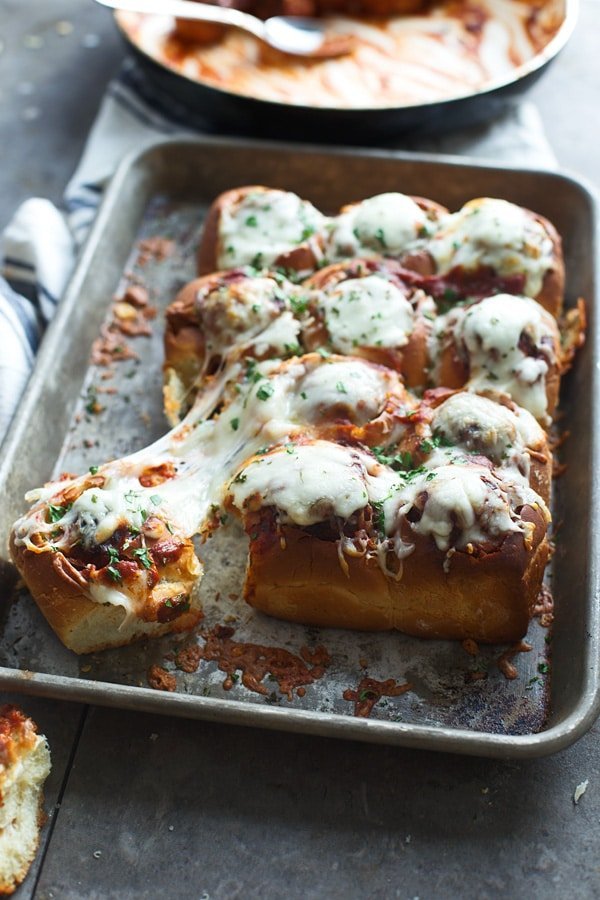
304, 395
113, 554
142, 555
235, 424
435, 441
379, 515
94, 470
91, 401
265, 391
132, 496
182, 605
306, 233
240, 478
289, 448
398, 461
251, 222
450, 295
55, 513
252, 372
298, 304
323, 352
367, 695
381, 238
543, 668
114, 573
341, 388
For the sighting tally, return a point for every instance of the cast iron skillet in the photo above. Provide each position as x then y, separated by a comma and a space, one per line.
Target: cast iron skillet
210, 108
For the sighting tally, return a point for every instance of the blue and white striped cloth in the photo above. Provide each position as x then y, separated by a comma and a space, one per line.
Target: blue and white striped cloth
39, 246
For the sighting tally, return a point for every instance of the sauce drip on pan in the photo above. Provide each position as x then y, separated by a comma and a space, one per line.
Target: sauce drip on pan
370, 691
256, 662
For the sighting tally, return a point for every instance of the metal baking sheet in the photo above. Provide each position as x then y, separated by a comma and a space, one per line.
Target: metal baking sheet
75, 415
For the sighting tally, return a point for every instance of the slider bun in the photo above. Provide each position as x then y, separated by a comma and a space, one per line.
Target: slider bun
410, 360
455, 363
299, 258
552, 292
296, 576
184, 345
86, 626
432, 209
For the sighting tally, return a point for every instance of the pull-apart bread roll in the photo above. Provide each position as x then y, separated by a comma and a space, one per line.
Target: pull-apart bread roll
451, 550
24, 767
502, 343
492, 246
489, 246
219, 318
365, 308
435, 531
108, 556
385, 225
261, 227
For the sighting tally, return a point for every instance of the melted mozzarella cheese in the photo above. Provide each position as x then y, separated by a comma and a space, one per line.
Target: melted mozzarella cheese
279, 338
240, 310
351, 386
491, 333
366, 312
310, 483
479, 425
385, 224
490, 232
263, 226
459, 505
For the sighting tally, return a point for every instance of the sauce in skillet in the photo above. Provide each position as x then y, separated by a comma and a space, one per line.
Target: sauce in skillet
456, 48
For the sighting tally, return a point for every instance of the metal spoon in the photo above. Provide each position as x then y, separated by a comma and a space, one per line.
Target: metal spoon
289, 34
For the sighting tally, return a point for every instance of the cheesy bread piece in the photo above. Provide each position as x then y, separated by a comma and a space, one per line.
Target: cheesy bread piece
261, 227
339, 539
491, 245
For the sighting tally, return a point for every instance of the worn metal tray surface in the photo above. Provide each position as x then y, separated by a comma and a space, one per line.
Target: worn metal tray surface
164, 192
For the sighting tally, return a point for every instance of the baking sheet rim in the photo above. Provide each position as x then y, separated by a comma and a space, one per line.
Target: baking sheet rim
442, 738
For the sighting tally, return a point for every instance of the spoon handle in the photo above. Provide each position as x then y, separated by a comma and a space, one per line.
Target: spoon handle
185, 9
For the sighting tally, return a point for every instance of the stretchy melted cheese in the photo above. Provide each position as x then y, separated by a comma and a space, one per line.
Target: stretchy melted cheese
275, 403
495, 233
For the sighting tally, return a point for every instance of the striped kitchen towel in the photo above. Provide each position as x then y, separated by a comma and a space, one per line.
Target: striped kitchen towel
39, 246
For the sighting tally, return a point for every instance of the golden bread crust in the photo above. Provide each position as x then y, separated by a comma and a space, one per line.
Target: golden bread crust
488, 597
61, 594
